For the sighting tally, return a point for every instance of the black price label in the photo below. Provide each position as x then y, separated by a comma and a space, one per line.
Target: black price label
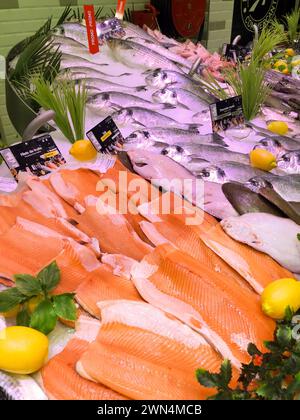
38, 156
227, 114
235, 53
105, 136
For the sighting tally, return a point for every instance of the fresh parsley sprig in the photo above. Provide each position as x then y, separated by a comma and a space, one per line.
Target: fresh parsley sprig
49, 309
274, 375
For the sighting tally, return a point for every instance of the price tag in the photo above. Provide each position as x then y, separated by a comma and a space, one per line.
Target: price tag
227, 114
235, 52
105, 136
38, 156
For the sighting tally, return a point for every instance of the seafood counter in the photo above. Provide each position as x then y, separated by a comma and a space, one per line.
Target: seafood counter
132, 303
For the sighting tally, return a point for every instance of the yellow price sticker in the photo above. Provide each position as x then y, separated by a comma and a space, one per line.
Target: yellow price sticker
50, 154
106, 136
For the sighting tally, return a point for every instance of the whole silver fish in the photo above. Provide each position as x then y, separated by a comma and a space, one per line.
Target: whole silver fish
72, 30
19, 387
69, 60
107, 103
161, 78
290, 162
171, 136
229, 171
288, 187
139, 117
137, 56
167, 174
70, 42
100, 85
74, 73
159, 49
213, 154
278, 145
180, 97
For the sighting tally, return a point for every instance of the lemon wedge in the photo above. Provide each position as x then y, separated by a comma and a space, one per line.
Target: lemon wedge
83, 150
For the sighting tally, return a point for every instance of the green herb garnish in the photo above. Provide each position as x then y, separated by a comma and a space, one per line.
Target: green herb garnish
274, 375
49, 309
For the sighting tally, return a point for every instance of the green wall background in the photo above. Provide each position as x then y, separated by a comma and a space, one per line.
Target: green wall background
21, 18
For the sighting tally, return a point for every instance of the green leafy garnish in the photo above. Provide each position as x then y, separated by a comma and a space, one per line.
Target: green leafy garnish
50, 308
274, 375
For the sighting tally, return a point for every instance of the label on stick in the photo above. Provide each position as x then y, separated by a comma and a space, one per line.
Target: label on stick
89, 14
121, 9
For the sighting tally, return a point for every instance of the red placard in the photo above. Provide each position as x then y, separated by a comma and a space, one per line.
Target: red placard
89, 14
188, 16
120, 9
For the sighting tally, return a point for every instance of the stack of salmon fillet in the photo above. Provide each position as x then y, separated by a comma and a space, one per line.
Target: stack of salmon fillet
158, 298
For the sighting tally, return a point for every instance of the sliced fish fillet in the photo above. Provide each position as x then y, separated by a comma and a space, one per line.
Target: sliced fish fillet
103, 285
145, 354
74, 185
24, 252
114, 233
203, 299
187, 239
257, 268
120, 264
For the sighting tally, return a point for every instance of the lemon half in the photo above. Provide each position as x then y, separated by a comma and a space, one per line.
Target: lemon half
263, 159
83, 150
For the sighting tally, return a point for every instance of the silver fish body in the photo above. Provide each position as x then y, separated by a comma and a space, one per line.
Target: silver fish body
290, 162
211, 153
161, 78
107, 103
74, 73
173, 136
278, 145
229, 171
19, 387
134, 31
159, 49
179, 97
167, 174
137, 56
139, 117
70, 42
101, 85
72, 30
69, 60
288, 187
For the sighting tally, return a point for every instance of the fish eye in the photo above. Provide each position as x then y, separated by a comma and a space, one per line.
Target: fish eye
205, 173
164, 76
174, 95
146, 134
130, 112
163, 91
133, 136
179, 149
286, 158
105, 96
164, 152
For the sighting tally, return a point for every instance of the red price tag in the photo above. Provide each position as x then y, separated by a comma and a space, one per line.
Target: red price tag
89, 14
120, 9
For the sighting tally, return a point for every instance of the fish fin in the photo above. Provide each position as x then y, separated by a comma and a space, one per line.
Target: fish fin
125, 74
183, 106
139, 124
149, 71
195, 127
168, 106
141, 88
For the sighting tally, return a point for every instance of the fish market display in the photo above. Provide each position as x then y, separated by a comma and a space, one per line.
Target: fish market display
275, 236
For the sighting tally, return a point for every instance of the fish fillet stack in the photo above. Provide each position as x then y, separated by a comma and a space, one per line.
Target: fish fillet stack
164, 298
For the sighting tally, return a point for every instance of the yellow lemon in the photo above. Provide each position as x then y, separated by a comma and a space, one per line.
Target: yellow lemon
280, 63
83, 150
295, 63
262, 159
22, 350
33, 303
280, 294
12, 313
278, 127
290, 52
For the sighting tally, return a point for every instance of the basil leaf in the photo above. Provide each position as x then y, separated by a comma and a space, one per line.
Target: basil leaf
43, 317
28, 285
10, 298
23, 318
64, 306
284, 335
49, 277
207, 379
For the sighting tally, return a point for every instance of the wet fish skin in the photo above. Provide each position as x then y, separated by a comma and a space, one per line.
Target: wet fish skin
101, 85
286, 186
278, 145
212, 153
85, 72
230, 171
69, 60
172, 136
178, 97
138, 56
159, 49
161, 78
140, 117
64, 40
72, 30
290, 162
108, 102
